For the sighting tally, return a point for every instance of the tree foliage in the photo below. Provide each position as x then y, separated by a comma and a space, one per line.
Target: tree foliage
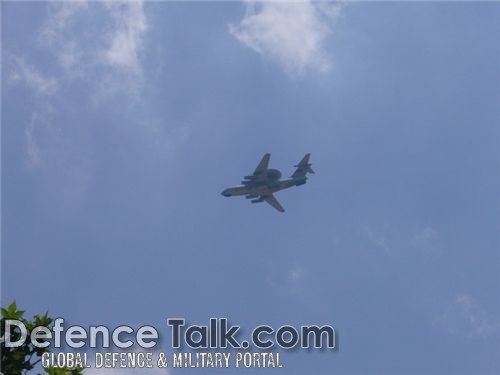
24, 358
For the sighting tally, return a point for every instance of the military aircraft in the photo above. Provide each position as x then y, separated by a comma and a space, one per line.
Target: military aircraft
261, 185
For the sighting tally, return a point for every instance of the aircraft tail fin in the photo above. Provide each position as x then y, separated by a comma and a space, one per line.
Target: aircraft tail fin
303, 168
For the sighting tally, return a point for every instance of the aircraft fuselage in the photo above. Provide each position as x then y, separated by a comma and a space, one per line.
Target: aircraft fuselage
262, 188
263, 182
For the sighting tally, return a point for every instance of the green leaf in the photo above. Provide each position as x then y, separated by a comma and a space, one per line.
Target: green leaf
12, 307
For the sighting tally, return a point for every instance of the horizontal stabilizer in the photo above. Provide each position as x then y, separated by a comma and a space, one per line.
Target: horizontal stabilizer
303, 168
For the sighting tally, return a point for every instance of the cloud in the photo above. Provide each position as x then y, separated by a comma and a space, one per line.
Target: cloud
32, 147
289, 278
425, 235
292, 34
44, 89
394, 238
426, 239
40, 84
56, 34
97, 44
126, 38
377, 239
61, 15
116, 43
296, 274
465, 317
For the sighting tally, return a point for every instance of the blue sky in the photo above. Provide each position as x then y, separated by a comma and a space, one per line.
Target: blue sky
122, 123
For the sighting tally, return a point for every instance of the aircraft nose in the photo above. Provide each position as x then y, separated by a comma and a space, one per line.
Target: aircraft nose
226, 193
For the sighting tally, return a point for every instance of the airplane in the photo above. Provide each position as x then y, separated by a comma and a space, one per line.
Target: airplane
260, 186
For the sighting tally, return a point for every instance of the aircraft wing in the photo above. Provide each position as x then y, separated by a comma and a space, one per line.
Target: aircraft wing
271, 199
262, 167
260, 171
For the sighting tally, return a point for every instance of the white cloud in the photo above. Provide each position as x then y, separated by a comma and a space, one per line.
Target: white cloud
44, 89
465, 317
104, 56
286, 279
95, 53
56, 34
425, 235
293, 34
126, 38
378, 239
61, 15
32, 147
394, 238
116, 44
426, 239
296, 274
40, 84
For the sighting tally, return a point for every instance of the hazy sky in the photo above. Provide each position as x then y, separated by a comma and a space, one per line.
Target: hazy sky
122, 123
